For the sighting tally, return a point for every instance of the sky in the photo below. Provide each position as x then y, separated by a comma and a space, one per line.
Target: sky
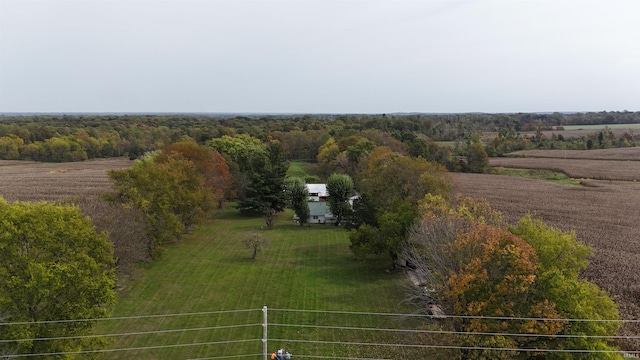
325, 56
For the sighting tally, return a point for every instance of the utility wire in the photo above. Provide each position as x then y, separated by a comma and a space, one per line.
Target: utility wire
226, 357
453, 347
135, 348
126, 317
130, 333
437, 317
462, 332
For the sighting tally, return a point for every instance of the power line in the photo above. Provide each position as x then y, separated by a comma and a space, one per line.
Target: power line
438, 317
131, 333
435, 317
125, 317
462, 332
454, 347
226, 357
136, 348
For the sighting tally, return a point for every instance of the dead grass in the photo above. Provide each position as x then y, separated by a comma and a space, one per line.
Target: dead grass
31, 181
577, 168
604, 215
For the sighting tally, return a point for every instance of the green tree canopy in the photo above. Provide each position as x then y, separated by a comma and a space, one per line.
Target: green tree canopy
340, 188
53, 266
168, 189
393, 186
298, 197
562, 257
265, 193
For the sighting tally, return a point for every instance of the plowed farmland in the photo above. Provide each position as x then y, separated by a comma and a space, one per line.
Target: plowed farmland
30, 181
604, 214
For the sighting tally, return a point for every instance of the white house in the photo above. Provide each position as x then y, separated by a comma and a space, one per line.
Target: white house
319, 212
317, 192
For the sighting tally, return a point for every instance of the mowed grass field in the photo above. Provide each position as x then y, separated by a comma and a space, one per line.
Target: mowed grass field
302, 268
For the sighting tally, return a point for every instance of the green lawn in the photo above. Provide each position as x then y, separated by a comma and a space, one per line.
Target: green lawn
296, 169
303, 268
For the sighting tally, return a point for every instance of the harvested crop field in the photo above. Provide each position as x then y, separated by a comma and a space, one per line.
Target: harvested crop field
577, 168
604, 215
621, 154
31, 181
587, 130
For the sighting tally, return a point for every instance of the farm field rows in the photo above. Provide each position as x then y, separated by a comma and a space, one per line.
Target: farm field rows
577, 168
31, 181
621, 154
586, 130
603, 214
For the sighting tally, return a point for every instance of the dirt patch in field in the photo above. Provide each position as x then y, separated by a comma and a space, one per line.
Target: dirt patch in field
604, 215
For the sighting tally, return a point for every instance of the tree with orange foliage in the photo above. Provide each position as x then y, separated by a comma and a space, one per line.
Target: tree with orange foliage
494, 272
211, 165
471, 265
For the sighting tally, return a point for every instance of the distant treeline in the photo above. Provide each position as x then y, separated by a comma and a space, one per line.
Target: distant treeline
79, 137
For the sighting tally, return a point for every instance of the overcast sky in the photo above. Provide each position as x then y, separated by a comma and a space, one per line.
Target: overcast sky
325, 56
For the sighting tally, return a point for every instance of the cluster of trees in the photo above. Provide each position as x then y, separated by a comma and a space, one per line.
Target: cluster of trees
80, 137
390, 188
473, 265
508, 140
175, 188
259, 171
55, 272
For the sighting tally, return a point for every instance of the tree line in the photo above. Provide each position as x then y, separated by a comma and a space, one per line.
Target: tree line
79, 137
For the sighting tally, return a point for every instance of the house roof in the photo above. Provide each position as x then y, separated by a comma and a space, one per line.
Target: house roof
320, 189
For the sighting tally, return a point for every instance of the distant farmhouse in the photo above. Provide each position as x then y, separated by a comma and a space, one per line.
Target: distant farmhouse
319, 212
318, 192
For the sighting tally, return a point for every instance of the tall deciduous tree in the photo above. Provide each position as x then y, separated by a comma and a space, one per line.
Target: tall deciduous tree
327, 154
340, 187
53, 266
562, 257
265, 193
210, 164
298, 197
168, 189
393, 184
241, 152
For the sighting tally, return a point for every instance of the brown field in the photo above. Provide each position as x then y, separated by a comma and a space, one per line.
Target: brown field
569, 133
605, 215
622, 154
577, 168
30, 181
